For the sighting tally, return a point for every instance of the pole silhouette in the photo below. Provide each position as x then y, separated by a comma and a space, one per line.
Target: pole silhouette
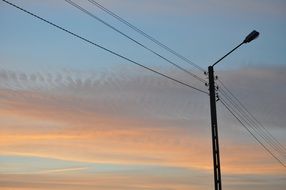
213, 98
215, 142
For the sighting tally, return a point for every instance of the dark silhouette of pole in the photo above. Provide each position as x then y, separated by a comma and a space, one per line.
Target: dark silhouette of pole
213, 98
215, 142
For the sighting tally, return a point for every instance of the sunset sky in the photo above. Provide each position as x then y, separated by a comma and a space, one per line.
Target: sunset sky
73, 116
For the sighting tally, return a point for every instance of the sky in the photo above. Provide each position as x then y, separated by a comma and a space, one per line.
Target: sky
73, 116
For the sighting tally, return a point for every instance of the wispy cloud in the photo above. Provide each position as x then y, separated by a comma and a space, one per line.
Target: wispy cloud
122, 121
63, 170
101, 181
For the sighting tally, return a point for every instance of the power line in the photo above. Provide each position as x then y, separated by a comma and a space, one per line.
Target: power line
253, 126
258, 125
132, 39
147, 68
146, 35
252, 116
251, 133
105, 49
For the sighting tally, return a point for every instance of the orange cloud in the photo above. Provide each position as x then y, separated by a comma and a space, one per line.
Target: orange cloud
62, 170
67, 127
101, 181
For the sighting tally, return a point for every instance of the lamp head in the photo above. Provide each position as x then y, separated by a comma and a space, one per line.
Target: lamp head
253, 35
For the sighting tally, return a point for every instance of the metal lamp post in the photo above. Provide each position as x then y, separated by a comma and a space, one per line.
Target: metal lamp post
213, 98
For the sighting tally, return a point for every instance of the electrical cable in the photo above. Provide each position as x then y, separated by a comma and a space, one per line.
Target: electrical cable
253, 126
260, 124
147, 68
251, 133
146, 35
253, 120
105, 49
132, 39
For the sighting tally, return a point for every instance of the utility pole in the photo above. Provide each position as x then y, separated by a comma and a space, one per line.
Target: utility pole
213, 98
215, 142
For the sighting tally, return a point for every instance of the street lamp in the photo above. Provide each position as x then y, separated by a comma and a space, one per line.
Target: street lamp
212, 93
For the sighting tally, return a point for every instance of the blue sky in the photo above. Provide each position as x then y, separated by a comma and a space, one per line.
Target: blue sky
198, 34
73, 115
